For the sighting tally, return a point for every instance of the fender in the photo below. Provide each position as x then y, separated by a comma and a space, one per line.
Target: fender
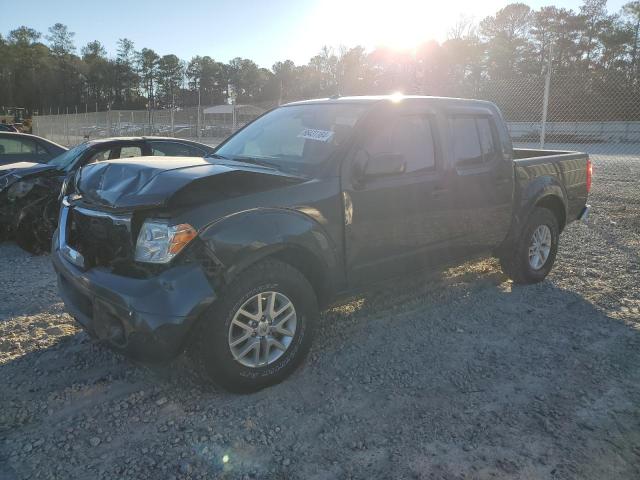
243, 238
539, 189
536, 190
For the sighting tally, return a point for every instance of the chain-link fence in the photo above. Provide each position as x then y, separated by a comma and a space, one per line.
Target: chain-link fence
206, 124
569, 112
587, 113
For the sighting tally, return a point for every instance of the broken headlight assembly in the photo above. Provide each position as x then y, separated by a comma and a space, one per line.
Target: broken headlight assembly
19, 190
159, 242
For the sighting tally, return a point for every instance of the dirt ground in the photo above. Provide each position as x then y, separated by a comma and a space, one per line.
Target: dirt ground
461, 375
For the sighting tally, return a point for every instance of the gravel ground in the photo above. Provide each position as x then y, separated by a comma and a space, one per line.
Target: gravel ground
463, 375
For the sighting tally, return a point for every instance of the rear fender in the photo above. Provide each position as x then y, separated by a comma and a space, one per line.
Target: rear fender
538, 190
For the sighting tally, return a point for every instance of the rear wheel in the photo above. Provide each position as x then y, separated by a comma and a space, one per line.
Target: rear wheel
532, 256
259, 330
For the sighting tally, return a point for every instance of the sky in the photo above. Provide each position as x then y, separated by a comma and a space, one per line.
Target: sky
265, 31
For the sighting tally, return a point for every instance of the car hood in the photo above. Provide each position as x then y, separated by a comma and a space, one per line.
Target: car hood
11, 173
148, 182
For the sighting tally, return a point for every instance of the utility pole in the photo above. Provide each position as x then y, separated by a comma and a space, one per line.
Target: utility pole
545, 100
173, 107
199, 133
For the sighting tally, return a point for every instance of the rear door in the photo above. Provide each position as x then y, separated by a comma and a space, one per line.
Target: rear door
395, 223
482, 181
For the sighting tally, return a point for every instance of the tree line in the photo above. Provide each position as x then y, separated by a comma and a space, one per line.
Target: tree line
47, 72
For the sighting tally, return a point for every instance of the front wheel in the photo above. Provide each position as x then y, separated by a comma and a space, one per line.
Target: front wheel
532, 256
260, 329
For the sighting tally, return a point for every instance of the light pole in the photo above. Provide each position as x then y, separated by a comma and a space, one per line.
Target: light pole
199, 133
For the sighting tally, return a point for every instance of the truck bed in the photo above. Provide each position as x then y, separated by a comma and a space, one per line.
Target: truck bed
569, 168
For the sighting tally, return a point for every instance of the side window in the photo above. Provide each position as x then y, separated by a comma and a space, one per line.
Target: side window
410, 136
489, 148
17, 145
174, 149
473, 142
41, 150
466, 142
99, 156
130, 151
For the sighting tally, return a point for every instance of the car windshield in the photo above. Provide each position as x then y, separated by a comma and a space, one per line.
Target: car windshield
298, 138
66, 160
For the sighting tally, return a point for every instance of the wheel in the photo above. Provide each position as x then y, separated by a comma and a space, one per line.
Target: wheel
259, 330
33, 232
531, 258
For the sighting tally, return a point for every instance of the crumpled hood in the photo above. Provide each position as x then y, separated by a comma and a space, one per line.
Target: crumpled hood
11, 173
145, 182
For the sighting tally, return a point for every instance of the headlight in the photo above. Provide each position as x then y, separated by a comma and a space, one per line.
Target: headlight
159, 242
63, 189
19, 189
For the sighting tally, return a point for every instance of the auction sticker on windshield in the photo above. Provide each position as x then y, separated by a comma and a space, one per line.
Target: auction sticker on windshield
314, 134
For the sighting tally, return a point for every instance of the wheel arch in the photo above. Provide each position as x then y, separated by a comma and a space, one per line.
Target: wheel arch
243, 239
546, 192
556, 206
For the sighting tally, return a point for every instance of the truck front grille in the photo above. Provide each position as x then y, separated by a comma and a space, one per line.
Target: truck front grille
102, 238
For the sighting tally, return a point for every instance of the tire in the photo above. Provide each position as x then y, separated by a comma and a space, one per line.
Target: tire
34, 234
212, 346
517, 263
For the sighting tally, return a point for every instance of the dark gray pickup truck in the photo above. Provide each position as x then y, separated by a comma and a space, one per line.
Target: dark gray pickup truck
231, 256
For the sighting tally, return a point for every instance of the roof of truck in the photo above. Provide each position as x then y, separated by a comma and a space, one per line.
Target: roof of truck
395, 98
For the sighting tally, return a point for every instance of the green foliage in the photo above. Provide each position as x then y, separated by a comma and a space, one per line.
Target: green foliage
515, 42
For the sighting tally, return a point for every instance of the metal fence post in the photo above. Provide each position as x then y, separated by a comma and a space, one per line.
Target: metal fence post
545, 100
66, 126
108, 120
234, 119
198, 133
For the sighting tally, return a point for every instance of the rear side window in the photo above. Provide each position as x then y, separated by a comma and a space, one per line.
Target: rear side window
175, 149
473, 140
487, 143
41, 149
100, 156
408, 135
16, 145
131, 151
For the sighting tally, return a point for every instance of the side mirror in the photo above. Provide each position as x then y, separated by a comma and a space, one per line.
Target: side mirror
366, 166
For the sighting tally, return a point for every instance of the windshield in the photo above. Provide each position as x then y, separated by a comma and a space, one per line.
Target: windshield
299, 138
65, 160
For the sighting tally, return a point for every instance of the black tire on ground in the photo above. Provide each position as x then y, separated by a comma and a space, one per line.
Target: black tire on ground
210, 347
515, 263
34, 235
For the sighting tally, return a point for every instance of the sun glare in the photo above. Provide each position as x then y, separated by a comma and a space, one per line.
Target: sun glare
397, 24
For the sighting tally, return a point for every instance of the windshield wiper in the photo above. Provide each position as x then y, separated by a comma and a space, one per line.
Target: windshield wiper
256, 161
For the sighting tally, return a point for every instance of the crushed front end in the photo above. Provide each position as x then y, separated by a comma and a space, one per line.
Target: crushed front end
144, 310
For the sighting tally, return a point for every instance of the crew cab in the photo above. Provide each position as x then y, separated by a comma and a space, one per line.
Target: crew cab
232, 256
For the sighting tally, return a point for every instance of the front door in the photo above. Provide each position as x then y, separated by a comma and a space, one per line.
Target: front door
394, 222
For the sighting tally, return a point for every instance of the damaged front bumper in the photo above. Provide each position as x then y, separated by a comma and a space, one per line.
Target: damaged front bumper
148, 319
